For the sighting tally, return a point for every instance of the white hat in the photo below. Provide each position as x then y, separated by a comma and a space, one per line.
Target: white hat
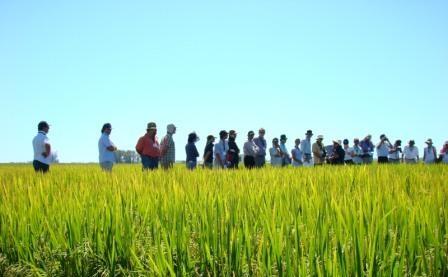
320, 137
338, 141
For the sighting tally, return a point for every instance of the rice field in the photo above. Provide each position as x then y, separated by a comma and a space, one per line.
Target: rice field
328, 221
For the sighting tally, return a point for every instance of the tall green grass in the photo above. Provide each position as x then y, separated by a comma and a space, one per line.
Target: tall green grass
327, 221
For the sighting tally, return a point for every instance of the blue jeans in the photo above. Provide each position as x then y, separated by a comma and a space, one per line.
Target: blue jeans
150, 163
191, 165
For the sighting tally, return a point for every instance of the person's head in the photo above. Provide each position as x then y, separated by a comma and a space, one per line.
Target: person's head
232, 134
336, 143
210, 139
319, 139
309, 134
275, 142
429, 142
283, 138
193, 137
398, 142
151, 129
383, 137
356, 141
223, 134
297, 142
411, 143
171, 129
107, 128
368, 137
261, 132
43, 126
345, 142
250, 135
445, 145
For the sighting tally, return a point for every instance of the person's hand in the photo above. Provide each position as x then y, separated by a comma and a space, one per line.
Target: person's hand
44, 154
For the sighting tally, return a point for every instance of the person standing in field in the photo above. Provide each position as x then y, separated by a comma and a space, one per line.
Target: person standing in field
305, 147
276, 154
357, 152
148, 147
42, 148
410, 153
250, 150
296, 154
286, 159
167, 148
338, 154
208, 152
395, 152
192, 151
382, 149
106, 148
444, 153
319, 152
349, 153
260, 141
429, 153
367, 149
233, 155
221, 149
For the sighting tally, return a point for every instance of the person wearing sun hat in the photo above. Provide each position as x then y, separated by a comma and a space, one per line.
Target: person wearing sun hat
106, 148
286, 159
338, 154
233, 155
42, 148
148, 147
208, 152
305, 147
410, 153
429, 153
319, 152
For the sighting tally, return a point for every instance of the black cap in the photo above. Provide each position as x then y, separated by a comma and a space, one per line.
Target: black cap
275, 140
210, 137
42, 125
345, 141
251, 133
106, 126
223, 133
283, 137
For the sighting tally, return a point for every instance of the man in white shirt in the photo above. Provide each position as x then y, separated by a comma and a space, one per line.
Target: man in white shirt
382, 149
305, 147
106, 148
410, 153
276, 154
221, 149
42, 148
250, 150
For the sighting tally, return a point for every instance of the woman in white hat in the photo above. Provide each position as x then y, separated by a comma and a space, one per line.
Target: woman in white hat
429, 153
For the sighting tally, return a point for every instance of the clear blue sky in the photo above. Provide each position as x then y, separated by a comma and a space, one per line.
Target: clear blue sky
341, 68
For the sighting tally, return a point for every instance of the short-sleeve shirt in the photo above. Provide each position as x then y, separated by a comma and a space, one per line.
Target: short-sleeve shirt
383, 149
261, 143
275, 161
221, 149
348, 154
39, 142
209, 149
104, 154
170, 155
430, 155
297, 155
410, 153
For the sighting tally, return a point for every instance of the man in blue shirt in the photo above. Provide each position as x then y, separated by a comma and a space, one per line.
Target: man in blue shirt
260, 158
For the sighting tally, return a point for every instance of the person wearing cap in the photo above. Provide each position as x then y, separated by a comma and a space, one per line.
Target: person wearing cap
319, 151
168, 148
221, 149
250, 150
148, 147
429, 153
338, 154
443, 157
296, 154
233, 155
286, 159
305, 147
410, 153
192, 151
208, 152
260, 141
367, 149
357, 152
106, 148
382, 149
349, 153
42, 148
395, 152
276, 154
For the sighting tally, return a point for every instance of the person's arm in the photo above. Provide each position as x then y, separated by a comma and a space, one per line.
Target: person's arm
218, 157
139, 146
47, 150
424, 155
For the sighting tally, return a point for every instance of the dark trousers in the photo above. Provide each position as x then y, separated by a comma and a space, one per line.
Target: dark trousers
150, 163
249, 162
383, 160
260, 161
40, 167
349, 162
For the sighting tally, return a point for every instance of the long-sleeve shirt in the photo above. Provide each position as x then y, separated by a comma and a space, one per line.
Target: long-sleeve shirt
250, 148
305, 146
192, 152
261, 143
147, 146
367, 147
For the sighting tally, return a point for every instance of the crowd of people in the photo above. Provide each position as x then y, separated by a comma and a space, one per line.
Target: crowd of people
225, 153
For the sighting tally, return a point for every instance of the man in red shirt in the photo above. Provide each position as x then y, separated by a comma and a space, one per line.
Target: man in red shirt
148, 147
